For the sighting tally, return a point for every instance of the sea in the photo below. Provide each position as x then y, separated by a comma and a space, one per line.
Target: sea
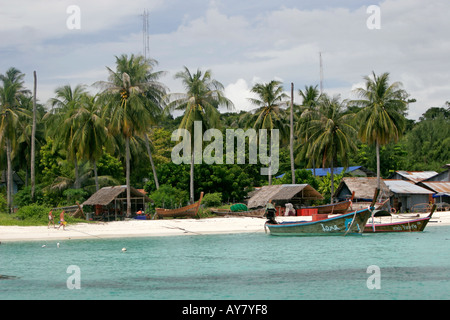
243, 266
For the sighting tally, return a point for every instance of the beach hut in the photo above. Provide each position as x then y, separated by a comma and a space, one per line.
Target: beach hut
405, 195
296, 194
363, 189
110, 203
17, 181
441, 176
441, 194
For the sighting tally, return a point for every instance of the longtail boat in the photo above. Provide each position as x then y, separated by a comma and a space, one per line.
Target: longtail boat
340, 225
333, 208
415, 225
257, 213
187, 211
350, 223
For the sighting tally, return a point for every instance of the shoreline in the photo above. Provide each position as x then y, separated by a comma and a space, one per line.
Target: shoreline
172, 227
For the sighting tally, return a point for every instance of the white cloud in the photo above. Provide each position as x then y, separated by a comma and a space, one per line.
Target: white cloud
257, 43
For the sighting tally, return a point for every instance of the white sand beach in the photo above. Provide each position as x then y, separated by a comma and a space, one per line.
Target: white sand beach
168, 227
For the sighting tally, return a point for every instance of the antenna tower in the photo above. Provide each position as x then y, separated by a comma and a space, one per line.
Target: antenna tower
145, 34
321, 73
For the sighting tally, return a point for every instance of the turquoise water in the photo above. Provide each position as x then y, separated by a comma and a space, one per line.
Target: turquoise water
253, 266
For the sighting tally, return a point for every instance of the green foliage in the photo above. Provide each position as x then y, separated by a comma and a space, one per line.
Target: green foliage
108, 165
324, 187
74, 195
34, 212
23, 197
212, 199
169, 197
49, 164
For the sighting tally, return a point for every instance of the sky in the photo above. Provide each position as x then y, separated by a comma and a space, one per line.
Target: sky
241, 42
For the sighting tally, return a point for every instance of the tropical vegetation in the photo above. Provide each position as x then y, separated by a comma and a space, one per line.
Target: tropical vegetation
121, 133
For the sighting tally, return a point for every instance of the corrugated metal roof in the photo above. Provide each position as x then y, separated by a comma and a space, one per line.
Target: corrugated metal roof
417, 176
438, 186
405, 187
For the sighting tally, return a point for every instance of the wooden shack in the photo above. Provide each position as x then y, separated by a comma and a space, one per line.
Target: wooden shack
296, 194
110, 203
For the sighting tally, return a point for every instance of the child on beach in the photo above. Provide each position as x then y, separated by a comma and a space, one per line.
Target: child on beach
62, 222
51, 219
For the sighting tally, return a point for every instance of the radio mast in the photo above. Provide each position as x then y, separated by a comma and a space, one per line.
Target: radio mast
321, 73
145, 34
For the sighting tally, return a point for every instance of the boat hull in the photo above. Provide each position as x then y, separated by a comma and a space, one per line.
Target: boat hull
189, 211
417, 225
350, 223
334, 208
257, 213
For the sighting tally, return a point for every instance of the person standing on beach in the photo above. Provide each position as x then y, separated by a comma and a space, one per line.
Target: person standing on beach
62, 222
51, 219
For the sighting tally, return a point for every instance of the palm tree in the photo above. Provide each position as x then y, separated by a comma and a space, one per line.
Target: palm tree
204, 95
128, 109
311, 97
382, 110
91, 132
330, 133
10, 112
62, 124
269, 114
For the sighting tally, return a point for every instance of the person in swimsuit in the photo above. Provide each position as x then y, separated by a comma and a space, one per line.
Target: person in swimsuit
62, 222
51, 219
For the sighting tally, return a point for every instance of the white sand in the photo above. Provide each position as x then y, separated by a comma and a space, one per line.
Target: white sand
168, 227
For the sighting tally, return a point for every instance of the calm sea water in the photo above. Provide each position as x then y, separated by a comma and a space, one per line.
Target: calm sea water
237, 266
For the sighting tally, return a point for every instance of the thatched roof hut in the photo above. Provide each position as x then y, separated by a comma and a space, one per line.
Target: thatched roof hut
284, 193
110, 202
107, 195
364, 188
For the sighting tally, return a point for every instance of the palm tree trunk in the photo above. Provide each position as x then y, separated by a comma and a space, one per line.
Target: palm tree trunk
292, 134
149, 151
191, 182
96, 175
8, 176
77, 180
33, 142
378, 165
127, 151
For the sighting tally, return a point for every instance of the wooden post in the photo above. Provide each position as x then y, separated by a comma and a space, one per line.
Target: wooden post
33, 143
292, 134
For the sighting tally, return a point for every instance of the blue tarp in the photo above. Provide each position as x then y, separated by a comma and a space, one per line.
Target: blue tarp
322, 172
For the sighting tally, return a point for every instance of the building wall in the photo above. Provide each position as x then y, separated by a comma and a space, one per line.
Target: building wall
407, 201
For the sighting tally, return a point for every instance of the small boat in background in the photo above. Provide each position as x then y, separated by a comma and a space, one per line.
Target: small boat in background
187, 211
333, 208
415, 225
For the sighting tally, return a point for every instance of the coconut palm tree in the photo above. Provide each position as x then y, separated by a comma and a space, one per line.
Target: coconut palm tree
381, 115
311, 97
128, 110
61, 122
203, 96
11, 88
330, 133
269, 114
91, 132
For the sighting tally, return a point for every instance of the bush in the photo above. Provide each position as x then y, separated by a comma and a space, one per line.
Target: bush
212, 199
169, 197
34, 212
